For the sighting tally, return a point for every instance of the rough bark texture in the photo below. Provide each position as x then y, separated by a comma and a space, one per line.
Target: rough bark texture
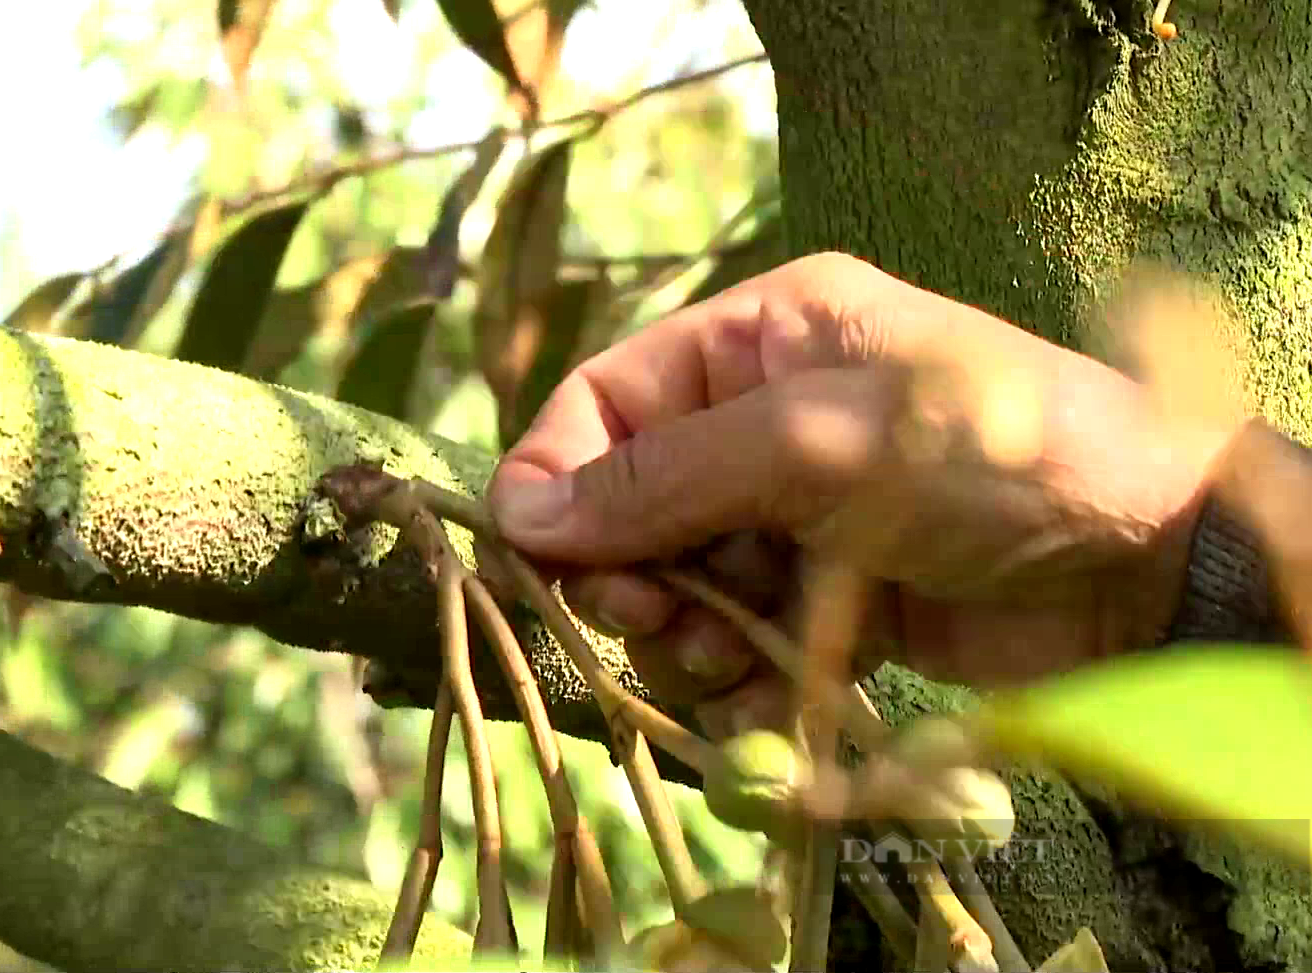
1018, 156
186, 485
97, 878
1015, 156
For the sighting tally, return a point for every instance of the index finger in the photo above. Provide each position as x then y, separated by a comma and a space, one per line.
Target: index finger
783, 321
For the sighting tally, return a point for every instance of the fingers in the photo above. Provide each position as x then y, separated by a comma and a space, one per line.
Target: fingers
693, 659
791, 319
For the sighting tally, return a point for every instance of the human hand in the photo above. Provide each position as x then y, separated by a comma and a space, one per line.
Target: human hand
1016, 508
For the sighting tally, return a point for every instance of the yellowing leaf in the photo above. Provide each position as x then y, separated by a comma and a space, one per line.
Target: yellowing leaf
241, 23
1081, 955
1220, 735
225, 316
567, 313
35, 311
517, 275
534, 36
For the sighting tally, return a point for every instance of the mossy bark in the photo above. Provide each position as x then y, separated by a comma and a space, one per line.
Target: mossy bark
97, 878
1020, 157
132, 479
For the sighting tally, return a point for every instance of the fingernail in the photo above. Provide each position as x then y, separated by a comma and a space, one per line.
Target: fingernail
611, 624
710, 661
535, 507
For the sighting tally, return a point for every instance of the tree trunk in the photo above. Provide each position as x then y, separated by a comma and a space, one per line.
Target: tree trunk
1018, 156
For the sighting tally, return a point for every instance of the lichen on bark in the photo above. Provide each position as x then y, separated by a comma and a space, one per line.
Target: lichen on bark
99, 878
1021, 157
187, 485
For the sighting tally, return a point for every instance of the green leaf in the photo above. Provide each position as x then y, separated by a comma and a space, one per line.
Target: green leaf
763, 251
382, 371
226, 314
477, 25
1217, 734
293, 316
107, 315
35, 311
442, 250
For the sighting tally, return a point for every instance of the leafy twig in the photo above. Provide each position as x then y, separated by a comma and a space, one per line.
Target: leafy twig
323, 181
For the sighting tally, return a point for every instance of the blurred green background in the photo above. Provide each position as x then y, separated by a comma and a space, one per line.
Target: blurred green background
127, 137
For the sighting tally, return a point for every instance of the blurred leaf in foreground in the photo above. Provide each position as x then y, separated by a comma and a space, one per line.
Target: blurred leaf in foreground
478, 26
108, 313
566, 315
1216, 734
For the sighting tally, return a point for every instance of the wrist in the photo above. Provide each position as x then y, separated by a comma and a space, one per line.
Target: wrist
1226, 589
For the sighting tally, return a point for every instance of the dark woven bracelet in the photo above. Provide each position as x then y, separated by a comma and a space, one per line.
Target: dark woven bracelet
1227, 591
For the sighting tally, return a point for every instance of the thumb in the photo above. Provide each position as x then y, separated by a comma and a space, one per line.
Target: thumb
668, 488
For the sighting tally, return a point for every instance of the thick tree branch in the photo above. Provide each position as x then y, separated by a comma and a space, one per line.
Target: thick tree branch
131, 479
99, 878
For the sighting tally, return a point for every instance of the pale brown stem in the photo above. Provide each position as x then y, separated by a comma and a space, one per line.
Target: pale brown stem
427, 855
977, 902
968, 942
560, 940
494, 930
933, 952
421, 870
630, 746
584, 856
815, 899
871, 889
833, 597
